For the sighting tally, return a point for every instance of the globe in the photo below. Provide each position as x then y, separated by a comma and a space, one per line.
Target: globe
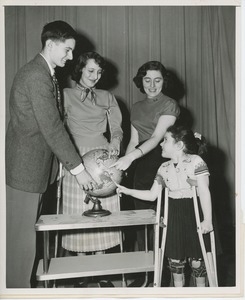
97, 163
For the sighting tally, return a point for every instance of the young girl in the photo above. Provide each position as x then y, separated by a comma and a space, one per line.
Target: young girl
183, 148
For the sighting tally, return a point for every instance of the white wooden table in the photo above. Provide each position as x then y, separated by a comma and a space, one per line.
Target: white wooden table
94, 265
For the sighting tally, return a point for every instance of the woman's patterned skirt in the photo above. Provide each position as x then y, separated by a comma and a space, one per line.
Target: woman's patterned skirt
86, 240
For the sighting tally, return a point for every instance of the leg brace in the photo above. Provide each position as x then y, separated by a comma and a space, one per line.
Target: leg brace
176, 265
198, 267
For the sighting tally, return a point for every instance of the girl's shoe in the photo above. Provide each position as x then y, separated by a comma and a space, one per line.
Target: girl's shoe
82, 283
105, 284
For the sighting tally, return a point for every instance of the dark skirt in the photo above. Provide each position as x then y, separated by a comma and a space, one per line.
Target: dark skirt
182, 238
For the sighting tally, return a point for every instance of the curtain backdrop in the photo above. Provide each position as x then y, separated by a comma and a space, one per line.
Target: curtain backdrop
197, 44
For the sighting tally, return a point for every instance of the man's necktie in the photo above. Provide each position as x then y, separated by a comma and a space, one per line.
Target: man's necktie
58, 95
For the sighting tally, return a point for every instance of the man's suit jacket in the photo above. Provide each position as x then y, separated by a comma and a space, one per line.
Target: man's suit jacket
35, 132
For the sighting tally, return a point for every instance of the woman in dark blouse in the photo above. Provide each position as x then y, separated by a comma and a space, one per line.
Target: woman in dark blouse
150, 119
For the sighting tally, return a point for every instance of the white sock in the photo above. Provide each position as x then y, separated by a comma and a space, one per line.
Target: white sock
178, 280
200, 281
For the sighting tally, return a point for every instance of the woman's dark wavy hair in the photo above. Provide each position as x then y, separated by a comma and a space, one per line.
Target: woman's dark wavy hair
192, 144
150, 65
82, 61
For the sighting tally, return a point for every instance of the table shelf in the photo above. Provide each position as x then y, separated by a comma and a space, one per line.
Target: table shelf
91, 265
116, 219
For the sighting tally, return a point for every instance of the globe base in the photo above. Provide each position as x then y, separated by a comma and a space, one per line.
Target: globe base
97, 210
96, 213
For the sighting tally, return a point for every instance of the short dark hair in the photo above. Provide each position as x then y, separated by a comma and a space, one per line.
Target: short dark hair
82, 61
57, 30
150, 65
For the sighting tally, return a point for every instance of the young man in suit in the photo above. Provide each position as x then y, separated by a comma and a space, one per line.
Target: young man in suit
35, 138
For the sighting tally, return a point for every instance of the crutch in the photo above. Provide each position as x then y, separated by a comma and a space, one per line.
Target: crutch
157, 277
164, 225
209, 258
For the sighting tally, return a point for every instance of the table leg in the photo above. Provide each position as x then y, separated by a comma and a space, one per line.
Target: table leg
45, 254
146, 238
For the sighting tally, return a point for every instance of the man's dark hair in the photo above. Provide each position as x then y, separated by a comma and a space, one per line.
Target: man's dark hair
57, 30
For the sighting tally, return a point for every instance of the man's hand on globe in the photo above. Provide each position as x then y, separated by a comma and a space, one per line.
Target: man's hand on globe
85, 181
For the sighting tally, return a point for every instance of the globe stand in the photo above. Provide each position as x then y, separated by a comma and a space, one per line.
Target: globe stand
97, 210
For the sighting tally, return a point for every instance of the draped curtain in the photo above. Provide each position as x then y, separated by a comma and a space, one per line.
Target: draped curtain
197, 44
